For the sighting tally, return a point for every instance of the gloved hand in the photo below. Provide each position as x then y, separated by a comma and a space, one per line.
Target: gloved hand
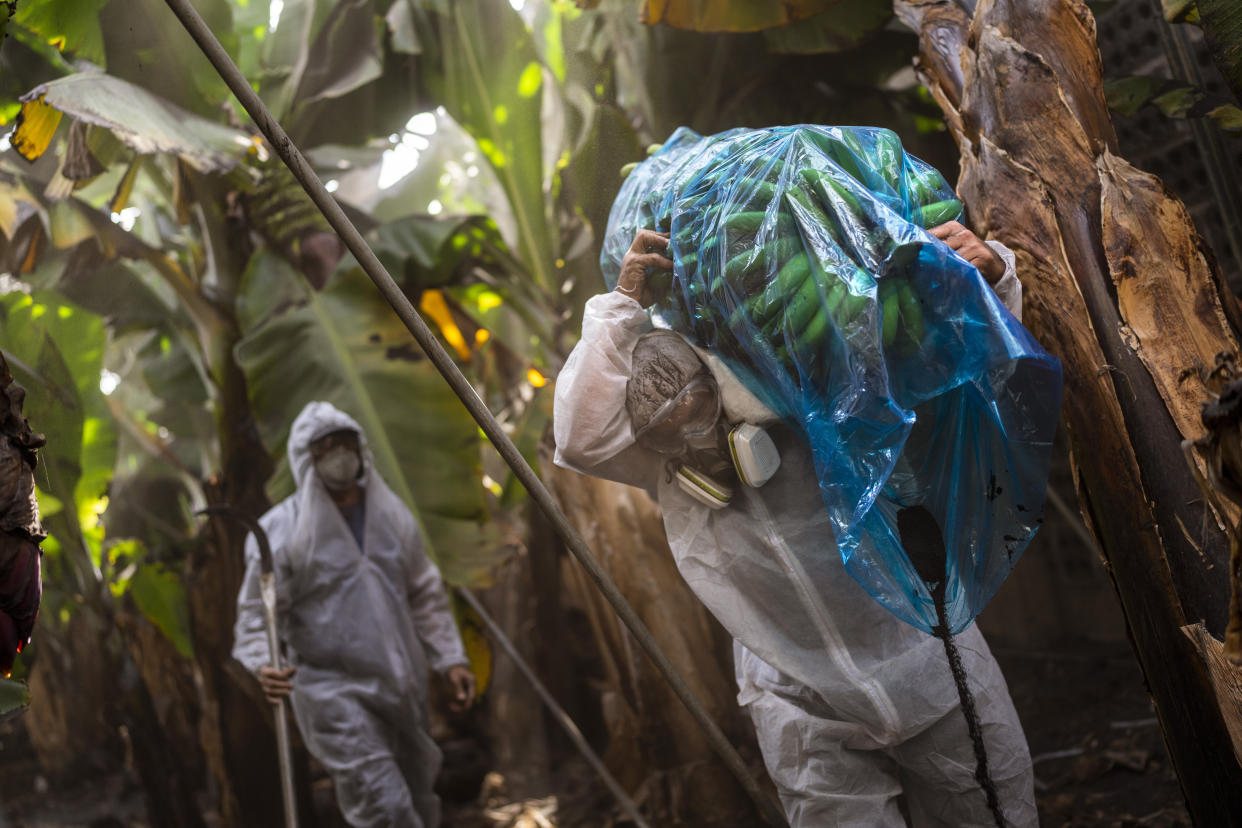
647, 252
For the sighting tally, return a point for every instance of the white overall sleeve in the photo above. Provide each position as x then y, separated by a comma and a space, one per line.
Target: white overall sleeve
1008, 289
430, 613
590, 422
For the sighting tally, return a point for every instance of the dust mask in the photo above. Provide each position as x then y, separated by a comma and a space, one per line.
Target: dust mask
338, 468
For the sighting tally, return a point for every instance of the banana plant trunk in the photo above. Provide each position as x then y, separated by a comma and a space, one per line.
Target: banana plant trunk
236, 730
1120, 286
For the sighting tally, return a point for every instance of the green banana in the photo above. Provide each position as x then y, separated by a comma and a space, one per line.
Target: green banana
745, 223
812, 338
927, 186
851, 307
804, 299
689, 262
887, 158
937, 213
769, 169
750, 222
765, 304
911, 314
834, 192
889, 312
769, 257
843, 154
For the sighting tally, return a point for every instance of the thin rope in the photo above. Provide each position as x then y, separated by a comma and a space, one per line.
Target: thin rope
982, 774
924, 545
558, 712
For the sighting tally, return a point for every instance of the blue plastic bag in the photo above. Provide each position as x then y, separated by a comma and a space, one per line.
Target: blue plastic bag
801, 257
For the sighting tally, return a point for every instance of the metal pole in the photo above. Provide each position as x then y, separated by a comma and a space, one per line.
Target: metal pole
267, 588
558, 712
400, 303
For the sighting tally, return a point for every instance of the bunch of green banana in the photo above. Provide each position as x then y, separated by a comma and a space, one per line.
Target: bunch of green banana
746, 268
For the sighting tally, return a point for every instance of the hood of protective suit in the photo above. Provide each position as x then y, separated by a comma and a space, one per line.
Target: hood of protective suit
319, 419
739, 404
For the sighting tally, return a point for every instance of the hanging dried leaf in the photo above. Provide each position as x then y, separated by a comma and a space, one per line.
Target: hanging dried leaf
36, 124
1180, 11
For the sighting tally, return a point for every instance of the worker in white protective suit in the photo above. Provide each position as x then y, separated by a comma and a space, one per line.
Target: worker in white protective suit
363, 615
852, 707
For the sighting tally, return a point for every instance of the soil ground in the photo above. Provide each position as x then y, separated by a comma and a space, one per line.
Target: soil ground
1098, 753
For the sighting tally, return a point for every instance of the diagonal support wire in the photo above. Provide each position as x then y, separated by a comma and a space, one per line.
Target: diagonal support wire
562, 718
401, 304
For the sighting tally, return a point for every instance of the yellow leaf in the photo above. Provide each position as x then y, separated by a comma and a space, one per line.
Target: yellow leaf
120, 199
433, 305
36, 124
478, 650
536, 379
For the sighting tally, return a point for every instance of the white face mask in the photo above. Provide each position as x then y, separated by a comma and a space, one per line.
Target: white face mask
338, 469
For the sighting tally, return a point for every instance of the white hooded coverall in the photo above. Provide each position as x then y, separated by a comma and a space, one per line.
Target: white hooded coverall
362, 626
852, 706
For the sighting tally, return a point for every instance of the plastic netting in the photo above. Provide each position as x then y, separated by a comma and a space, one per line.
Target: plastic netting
802, 258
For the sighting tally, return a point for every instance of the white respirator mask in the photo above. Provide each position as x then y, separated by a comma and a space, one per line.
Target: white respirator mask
338, 468
707, 457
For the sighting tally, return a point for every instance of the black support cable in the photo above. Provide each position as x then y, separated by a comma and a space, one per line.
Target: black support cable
401, 304
558, 712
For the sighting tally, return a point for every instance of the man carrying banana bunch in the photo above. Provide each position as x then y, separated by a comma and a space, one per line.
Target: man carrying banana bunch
856, 712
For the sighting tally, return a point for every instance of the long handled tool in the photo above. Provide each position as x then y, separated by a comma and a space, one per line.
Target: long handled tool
267, 591
375, 270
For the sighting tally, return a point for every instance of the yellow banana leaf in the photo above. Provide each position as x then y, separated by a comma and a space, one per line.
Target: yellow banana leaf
433, 304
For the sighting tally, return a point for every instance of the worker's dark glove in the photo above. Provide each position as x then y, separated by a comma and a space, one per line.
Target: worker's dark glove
648, 252
276, 684
971, 248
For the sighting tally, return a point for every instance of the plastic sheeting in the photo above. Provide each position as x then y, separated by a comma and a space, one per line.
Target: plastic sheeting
802, 260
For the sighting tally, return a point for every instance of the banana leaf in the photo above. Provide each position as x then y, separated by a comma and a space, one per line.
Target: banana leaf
145, 123
14, 698
55, 350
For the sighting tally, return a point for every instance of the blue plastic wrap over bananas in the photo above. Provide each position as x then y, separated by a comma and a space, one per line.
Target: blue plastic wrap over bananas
802, 259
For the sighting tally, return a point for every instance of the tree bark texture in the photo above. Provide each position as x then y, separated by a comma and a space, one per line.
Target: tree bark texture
1120, 286
655, 748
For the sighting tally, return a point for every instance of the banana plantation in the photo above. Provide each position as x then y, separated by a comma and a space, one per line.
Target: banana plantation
214, 213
